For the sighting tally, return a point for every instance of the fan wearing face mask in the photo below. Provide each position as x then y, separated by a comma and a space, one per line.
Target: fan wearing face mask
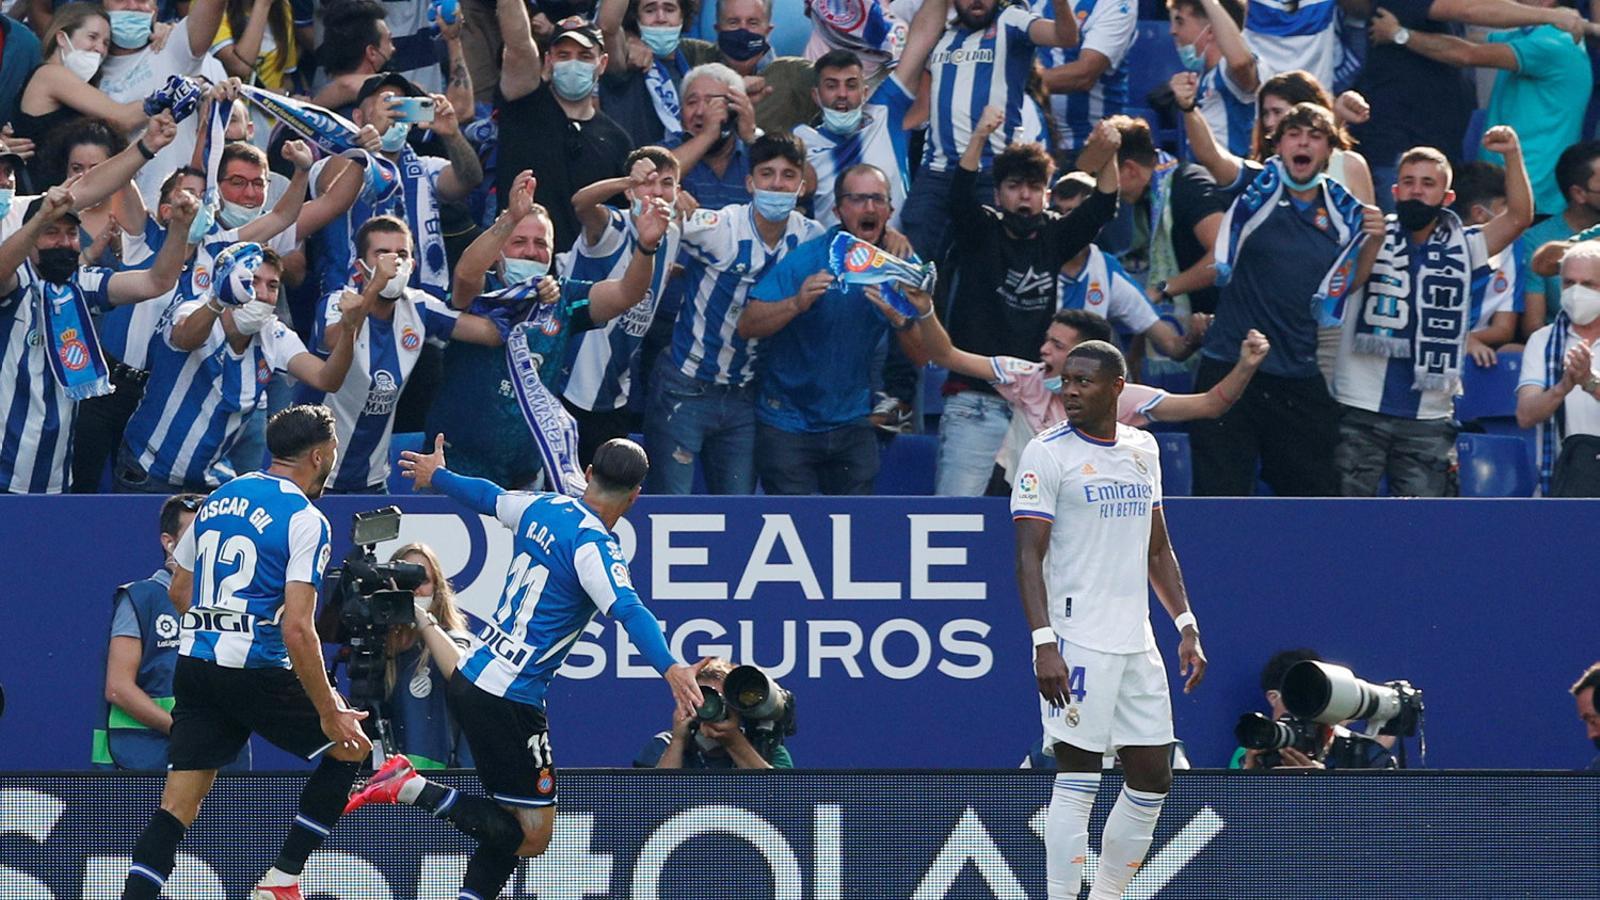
426, 182
1211, 45
642, 85
387, 343
1560, 389
506, 276
209, 371
44, 291
1404, 343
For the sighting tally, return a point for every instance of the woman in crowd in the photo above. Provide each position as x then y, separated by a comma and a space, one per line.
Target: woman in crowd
415, 679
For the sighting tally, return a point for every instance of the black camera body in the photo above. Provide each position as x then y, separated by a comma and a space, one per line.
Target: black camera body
1257, 732
766, 710
369, 597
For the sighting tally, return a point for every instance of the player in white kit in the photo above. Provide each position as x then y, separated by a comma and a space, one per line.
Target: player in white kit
1090, 534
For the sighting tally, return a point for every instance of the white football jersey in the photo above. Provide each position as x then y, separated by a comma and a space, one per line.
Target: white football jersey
1099, 497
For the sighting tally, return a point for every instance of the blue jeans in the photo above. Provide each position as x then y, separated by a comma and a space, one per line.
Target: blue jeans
926, 217
841, 461
128, 477
971, 431
686, 418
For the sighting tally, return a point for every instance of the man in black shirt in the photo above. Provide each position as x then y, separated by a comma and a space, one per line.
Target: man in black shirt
1000, 283
548, 118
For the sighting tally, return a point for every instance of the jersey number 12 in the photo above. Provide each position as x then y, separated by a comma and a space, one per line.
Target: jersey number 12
237, 551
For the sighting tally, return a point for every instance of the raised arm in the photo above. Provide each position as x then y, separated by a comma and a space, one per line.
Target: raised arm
459, 87
466, 170
613, 297
519, 60
1507, 14
1217, 401
327, 375
936, 343
1062, 32
240, 56
1222, 164
1500, 231
481, 255
1444, 48
332, 201
14, 250
73, 92
205, 17
427, 470
286, 212
1236, 53
921, 35
141, 284
609, 20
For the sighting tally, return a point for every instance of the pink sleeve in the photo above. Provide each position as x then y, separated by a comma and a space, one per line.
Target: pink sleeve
1136, 403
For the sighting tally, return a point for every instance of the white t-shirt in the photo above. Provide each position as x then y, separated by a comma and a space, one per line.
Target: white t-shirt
1583, 410
135, 75
1099, 497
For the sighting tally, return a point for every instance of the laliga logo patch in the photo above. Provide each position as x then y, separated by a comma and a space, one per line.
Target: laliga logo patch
74, 355
1028, 487
844, 15
619, 574
323, 557
409, 339
166, 626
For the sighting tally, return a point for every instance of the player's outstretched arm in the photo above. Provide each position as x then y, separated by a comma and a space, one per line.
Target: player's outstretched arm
1167, 580
604, 575
340, 723
427, 470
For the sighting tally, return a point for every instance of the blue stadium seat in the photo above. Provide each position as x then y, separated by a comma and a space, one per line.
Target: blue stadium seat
1489, 393
1472, 140
933, 378
409, 440
1494, 465
1152, 62
908, 465
1177, 471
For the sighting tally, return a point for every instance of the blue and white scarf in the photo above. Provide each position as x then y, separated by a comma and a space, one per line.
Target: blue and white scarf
554, 429
1552, 432
75, 357
1424, 318
1257, 204
664, 92
507, 307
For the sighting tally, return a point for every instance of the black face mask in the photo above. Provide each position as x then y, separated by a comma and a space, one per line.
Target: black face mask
1020, 223
57, 264
1415, 215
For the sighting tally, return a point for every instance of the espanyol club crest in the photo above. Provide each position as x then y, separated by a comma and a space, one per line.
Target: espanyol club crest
844, 15
74, 355
409, 338
202, 277
263, 372
1500, 283
1096, 296
1340, 277
547, 782
551, 326
862, 257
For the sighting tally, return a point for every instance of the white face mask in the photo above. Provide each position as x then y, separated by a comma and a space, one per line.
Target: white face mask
397, 284
83, 63
1582, 304
237, 215
253, 316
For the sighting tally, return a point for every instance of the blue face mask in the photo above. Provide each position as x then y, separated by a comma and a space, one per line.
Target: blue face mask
841, 122
1299, 186
203, 220
1190, 58
5, 200
395, 137
742, 44
573, 79
523, 271
661, 39
774, 206
1052, 383
130, 29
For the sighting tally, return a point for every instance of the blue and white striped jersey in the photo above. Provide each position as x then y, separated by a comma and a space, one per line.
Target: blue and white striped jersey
1229, 109
601, 363
972, 70
250, 538
413, 203
363, 408
565, 566
195, 402
880, 139
1108, 27
39, 418
1104, 288
723, 256
1294, 34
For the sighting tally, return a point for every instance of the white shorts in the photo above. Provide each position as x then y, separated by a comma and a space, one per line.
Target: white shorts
1114, 700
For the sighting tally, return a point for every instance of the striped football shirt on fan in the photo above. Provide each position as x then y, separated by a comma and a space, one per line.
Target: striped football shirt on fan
880, 140
972, 70
1109, 28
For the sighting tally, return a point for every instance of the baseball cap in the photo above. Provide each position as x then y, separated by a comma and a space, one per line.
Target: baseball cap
378, 82
37, 206
580, 30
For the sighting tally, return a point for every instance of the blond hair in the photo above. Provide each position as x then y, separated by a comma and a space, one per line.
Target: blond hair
443, 607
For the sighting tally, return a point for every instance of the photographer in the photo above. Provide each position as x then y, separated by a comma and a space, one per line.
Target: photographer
416, 673
694, 743
1315, 746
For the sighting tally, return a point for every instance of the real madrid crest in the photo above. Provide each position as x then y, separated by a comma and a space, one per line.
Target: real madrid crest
1072, 716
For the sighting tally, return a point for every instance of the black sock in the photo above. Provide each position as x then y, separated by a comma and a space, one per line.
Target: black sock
487, 872
153, 857
478, 817
321, 802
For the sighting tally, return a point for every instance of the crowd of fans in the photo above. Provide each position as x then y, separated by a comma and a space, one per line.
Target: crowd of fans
648, 222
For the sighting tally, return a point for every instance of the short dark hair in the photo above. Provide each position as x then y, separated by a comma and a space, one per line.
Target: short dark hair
1479, 181
240, 150
295, 430
619, 466
178, 174
270, 257
1276, 667
835, 59
1589, 679
1429, 155
775, 145
838, 183
58, 147
630, 19
1088, 325
1317, 118
1234, 9
660, 156
175, 507
1574, 164
1105, 353
385, 224
349, 27
1026, 161
1138, 144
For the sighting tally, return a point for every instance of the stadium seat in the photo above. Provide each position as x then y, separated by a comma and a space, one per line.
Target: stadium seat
1177, 471
933, 390
410, 440
1472, 140
908, 465
1494, 465
1152, 63
1489, 393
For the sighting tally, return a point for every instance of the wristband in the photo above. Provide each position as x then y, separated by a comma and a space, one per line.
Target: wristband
650, 252
1186, 620
144, 151
1045, 635
214, 306
925, 315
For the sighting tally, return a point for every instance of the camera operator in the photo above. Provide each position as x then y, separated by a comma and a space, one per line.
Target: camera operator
1586, 692
1317, 746
415, 675
694, 743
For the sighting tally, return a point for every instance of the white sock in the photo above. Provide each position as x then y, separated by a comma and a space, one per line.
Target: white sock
1066, 833
275, 878
1129, 831
411, 790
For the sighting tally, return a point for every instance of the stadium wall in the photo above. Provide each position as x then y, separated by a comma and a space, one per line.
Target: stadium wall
896, 624
835, 835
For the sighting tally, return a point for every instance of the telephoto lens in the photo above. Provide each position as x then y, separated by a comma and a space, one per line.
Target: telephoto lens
713, 709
